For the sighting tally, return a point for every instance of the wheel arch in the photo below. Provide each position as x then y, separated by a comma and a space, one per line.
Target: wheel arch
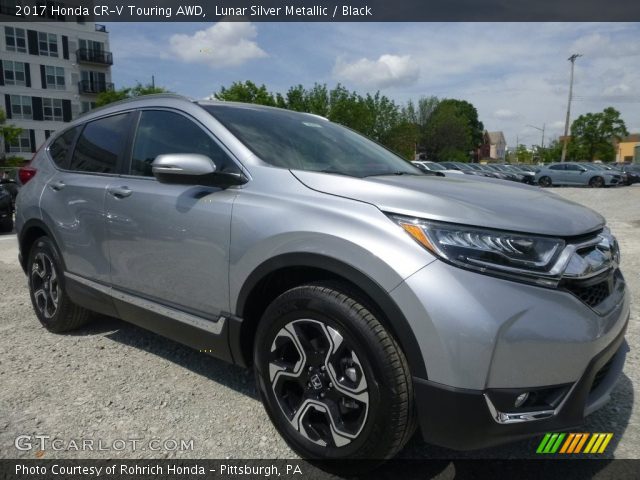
286, 271
29, 233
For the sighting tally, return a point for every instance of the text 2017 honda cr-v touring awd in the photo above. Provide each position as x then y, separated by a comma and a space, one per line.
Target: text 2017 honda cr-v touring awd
368, 298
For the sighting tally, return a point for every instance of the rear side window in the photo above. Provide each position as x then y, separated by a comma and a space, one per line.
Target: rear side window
101, 145
161, 132
556, 167
59, 149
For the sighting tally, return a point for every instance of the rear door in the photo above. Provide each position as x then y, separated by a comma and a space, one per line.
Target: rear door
169, 244
89, 158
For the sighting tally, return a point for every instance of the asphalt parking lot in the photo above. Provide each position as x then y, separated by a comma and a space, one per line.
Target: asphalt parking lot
113, 381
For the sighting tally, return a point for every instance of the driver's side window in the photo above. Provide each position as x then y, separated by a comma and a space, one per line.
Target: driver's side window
161, 132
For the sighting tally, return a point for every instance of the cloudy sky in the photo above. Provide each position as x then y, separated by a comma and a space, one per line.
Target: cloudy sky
514, 73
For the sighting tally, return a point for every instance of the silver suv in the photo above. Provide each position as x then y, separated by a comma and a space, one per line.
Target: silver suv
367, 297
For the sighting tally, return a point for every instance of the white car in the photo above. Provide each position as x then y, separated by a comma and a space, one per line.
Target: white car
435, 167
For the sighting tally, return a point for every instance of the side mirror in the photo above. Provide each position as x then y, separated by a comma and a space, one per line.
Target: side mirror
192, 169
582, 169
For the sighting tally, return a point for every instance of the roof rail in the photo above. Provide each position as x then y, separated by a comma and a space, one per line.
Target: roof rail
139, 97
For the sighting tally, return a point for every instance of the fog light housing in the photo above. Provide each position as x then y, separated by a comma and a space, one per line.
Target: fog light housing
520, 399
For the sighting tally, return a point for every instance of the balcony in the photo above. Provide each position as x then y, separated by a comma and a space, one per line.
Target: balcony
97, 57
87, 87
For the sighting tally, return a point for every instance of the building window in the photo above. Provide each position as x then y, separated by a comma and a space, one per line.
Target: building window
21, 107
87, 106
55, 77
15, 39
22, 143
52, 109
14, 73
48, 44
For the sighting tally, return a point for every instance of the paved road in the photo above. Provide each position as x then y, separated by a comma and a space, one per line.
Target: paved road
113, 381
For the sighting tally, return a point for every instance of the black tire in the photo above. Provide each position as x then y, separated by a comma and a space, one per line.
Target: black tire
545, 182
381, 420
596, 182
6, 225
52, 305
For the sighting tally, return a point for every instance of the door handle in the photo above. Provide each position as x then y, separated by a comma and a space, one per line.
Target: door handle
120, 192
57, 186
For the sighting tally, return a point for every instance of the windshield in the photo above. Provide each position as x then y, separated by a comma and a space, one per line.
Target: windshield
305, 142
434, 166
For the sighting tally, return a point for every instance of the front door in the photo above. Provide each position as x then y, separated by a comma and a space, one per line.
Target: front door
169, 244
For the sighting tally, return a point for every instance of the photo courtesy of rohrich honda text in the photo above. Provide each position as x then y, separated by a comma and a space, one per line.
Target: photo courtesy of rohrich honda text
401, 230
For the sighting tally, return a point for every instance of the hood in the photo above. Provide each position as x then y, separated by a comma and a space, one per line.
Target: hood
464, 199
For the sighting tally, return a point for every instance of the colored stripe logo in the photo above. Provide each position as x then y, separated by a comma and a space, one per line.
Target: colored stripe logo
571, 443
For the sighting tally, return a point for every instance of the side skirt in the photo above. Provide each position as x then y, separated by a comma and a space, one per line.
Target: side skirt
209, 336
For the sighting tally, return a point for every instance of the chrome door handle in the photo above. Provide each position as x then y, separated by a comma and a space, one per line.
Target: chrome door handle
120, 192
57, 186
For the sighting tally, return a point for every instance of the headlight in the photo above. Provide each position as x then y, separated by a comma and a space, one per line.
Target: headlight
529, 257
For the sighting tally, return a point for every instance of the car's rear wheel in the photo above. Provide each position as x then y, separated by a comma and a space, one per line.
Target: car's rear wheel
333, 380
52, 305
596, 182
545, 181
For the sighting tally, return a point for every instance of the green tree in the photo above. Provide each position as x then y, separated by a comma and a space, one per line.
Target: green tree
138, 90
247, 92
448, 134
592, 135
9, 133
552, 152
467, 111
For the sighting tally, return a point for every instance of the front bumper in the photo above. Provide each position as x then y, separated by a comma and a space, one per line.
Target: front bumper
462, 420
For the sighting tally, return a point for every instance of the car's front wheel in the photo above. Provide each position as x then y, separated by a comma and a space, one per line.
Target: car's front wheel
52, 305
545, 181
333, 380
596, 182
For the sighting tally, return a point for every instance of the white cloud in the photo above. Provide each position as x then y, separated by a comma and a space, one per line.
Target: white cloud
505, 114
225, 44
386, 71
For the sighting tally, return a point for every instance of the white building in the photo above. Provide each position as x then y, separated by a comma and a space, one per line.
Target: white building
49, 74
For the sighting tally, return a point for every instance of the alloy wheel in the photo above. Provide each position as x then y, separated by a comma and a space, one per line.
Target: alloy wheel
45, 285
319, 383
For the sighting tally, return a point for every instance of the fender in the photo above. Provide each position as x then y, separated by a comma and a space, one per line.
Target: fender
23, 235
394, 319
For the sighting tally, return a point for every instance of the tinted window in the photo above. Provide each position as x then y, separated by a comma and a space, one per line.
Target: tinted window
556, 167
161, 132
59, 149
101, 144
295, 140
574, 168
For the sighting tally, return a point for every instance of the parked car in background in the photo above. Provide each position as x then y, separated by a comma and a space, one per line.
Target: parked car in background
12, 187
427, 171
632, 172
571, 173
6, 210
526, 176
435, 167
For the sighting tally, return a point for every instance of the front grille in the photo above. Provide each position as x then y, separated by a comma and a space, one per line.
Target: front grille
592, 295
600, 376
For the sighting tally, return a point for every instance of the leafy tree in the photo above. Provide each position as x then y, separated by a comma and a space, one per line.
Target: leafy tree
138, 90
9, 133
552, 152
592, 135
523, 154
467, 111
247, 92
448, 134
401, 138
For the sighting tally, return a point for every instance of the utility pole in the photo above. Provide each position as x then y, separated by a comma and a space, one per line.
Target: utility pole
153, 81
572, 59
